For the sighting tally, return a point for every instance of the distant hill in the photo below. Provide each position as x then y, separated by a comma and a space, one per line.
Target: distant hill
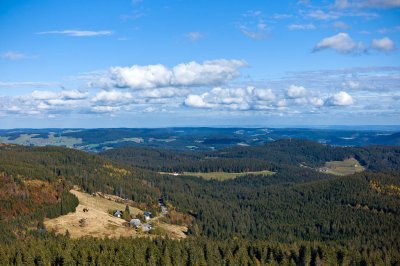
186, 139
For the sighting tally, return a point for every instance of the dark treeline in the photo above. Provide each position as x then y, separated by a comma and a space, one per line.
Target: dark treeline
266, 157
88, 171
126, 251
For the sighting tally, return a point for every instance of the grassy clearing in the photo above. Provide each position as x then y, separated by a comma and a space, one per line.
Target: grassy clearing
99, 223
345, 167
52, 139
221, 176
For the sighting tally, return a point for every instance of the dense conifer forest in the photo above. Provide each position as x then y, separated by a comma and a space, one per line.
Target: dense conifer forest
297, 216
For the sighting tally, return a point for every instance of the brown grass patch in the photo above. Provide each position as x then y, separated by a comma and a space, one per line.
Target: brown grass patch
99, 223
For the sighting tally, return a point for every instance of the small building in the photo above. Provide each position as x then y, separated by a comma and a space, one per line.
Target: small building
164, 209
135, 223
147, 216
118, 213
161, 202
146, 227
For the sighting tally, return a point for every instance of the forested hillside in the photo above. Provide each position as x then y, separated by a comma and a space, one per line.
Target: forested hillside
297, 214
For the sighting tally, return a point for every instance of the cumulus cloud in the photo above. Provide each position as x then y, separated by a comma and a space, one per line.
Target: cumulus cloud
296, 92
77, 33
296, 98
248, 98
46, 102
341, 98
111, 96
190, 74
301, 27
143, 77
385, 44
316, 101
197, 101
341, 42
208, 73
264, 94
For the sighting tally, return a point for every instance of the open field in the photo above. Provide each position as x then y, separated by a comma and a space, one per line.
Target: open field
221, 176
51, 139
99, 223
345, 167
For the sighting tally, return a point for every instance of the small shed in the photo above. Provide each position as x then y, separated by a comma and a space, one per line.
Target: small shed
135, 223
146, 227
164, 210
147, 215
118, 213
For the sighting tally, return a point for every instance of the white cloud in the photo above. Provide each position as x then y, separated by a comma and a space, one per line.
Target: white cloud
197, 101
105, 109
281, 16
343, 4
43, 95
11, 55
296, 99
194, 36
253, 34
385, 44
254, 27
143, 77
208, 73
317, 102
341, 25
301, 27
163, 93
264, 94
340, 99
77, 33
296, 92
190, 74
65, 95
249, 98
111, 96
351, 84
322, 15
253, 13
28, 84
341, 42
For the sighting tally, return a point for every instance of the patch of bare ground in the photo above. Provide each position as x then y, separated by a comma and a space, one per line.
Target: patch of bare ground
97, 222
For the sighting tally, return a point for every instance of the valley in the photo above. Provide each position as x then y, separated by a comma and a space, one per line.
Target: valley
266, 203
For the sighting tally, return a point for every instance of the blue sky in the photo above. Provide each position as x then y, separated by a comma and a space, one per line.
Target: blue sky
145, 63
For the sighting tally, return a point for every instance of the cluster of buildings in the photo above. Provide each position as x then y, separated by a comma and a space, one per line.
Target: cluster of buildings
136, 223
